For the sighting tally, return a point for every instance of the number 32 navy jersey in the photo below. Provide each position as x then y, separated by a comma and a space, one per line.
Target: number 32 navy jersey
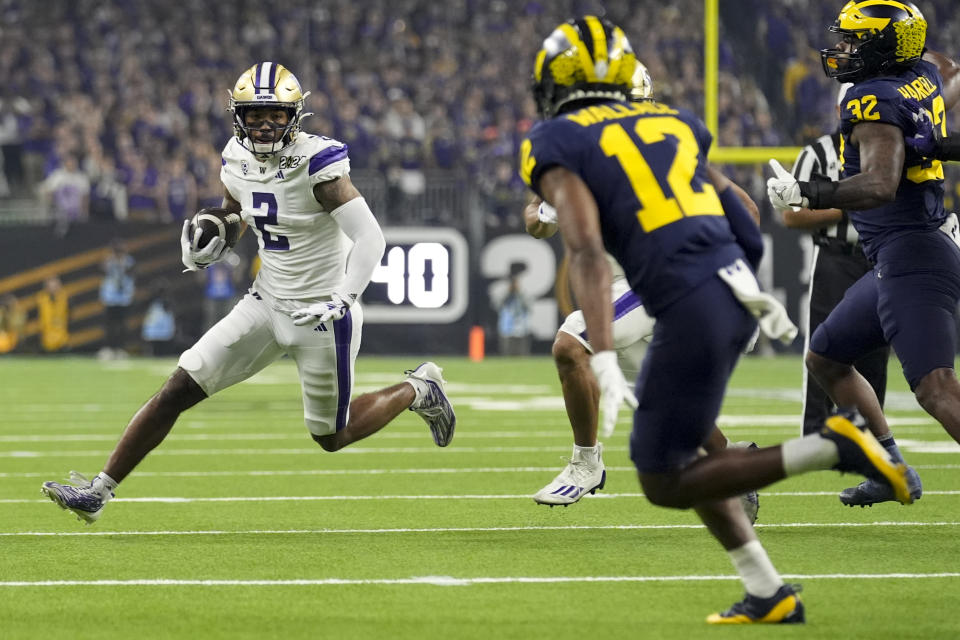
919, 202
645, 164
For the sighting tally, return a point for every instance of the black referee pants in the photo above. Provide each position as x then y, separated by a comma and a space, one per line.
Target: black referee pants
834, 271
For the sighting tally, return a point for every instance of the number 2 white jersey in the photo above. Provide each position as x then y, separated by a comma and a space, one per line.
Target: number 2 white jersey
302, 249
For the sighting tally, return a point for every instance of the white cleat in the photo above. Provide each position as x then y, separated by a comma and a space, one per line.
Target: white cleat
432, 404
81, 497
584, 474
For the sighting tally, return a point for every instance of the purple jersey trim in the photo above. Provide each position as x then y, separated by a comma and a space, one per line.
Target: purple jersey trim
621, 307
342, 335
327, 157
625, 304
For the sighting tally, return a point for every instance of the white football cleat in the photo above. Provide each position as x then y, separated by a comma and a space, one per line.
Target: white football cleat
584, 474
82, 497
431, 403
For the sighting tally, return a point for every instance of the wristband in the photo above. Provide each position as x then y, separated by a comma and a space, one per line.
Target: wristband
819, 192
948, 148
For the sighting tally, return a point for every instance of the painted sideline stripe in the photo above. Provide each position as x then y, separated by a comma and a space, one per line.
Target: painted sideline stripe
365, 472
451, 581
599, 527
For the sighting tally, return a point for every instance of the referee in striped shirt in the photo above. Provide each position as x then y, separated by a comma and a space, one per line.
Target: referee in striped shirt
838, 262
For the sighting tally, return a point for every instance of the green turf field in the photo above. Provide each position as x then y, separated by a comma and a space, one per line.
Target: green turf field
239, 526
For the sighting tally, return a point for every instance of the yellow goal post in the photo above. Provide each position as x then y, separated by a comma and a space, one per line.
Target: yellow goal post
711, 56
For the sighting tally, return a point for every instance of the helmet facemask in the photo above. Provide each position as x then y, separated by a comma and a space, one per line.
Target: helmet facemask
862, 60
248, 134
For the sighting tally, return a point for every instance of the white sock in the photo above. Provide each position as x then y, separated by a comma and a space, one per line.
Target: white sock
586, 453
809, 453
105, 485
419, 387
759, 577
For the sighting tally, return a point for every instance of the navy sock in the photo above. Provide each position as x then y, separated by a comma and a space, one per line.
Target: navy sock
891, 446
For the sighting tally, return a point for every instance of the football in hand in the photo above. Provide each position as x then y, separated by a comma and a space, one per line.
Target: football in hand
213, 222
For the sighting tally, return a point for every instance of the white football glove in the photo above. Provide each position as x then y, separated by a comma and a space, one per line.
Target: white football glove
784, 190
614, 389
547, 214
321, 312
195, 259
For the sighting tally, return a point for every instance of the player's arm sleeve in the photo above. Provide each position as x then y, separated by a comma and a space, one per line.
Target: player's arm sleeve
743, 222
736, 203
357, 222
745, 230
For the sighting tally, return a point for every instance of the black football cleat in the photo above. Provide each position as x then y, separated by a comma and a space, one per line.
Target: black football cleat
870, 492
783, 607
861, 453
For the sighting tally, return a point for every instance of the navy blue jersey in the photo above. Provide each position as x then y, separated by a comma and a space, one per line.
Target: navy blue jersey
919, 202
645, 164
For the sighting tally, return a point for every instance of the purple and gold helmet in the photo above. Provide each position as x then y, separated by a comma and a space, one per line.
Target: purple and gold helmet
267, 84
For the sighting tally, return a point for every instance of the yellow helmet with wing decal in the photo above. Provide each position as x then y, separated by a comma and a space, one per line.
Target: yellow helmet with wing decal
583, 59
267, 84
881, 37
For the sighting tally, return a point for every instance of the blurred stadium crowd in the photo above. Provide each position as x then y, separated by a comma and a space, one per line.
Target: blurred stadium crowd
124, 99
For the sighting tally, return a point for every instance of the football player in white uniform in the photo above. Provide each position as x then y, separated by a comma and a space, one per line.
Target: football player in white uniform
632, 330
294, 190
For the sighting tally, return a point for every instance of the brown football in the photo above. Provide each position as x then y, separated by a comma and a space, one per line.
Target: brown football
215, 221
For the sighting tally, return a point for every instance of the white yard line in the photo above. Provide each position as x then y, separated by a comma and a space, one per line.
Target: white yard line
909, 446
312, 451
431, 530
452, 581
326, 472
259, 473
739, 423
598, 496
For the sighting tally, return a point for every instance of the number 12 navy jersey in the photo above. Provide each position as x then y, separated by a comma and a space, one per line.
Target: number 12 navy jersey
645, 164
